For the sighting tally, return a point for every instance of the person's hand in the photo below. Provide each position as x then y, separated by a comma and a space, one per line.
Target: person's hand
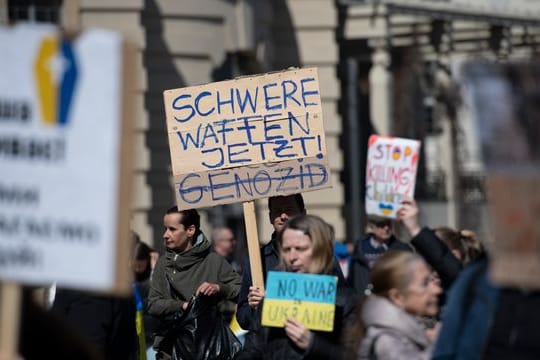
298, 333
408, 215
207, 289
255, 296
184, 306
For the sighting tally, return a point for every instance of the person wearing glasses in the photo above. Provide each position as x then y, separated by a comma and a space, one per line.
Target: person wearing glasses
378, 240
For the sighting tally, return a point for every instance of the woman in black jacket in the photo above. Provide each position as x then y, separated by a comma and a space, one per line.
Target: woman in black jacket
444, 249
436, 253
306, 246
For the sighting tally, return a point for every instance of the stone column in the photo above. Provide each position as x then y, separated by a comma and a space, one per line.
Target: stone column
380, 92
71, 15
3, 12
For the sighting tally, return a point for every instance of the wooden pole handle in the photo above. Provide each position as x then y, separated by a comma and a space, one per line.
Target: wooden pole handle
10, 313
254, 249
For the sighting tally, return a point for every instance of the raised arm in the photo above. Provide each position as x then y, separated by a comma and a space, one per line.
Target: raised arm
434, 250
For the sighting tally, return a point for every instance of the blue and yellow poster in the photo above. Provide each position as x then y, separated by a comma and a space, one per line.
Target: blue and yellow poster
306, 297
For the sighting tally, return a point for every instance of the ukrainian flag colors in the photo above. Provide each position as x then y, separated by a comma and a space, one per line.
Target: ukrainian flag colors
308, 298
55, 90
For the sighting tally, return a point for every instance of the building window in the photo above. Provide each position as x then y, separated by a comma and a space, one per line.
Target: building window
35, 11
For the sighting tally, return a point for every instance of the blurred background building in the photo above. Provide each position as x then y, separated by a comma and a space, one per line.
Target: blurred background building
385, 67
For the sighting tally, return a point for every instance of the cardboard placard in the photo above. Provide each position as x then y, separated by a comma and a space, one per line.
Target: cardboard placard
65, 158
308, 298
390, 173
514, 208
221, 135
504, 102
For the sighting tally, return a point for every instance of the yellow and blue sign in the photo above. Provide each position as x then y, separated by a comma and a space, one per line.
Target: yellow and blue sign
56, 73
308, 298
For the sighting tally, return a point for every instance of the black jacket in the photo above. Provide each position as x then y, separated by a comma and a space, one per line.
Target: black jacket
43, 335
359, 269
249, 318
324, 345
438, 256
105, 321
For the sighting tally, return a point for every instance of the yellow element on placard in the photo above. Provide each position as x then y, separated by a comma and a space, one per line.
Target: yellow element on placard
46, 86
313, 315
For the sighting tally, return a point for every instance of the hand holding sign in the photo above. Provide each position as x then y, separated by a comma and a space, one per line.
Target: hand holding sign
408, 215
308, 298
255, 296
298, 333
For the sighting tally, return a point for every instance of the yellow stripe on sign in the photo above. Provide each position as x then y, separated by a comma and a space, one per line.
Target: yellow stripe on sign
47, 92
313, 315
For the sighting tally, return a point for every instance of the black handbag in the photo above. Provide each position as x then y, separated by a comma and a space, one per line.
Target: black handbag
198, 333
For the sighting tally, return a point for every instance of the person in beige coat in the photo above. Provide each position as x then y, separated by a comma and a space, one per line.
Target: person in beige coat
403, 289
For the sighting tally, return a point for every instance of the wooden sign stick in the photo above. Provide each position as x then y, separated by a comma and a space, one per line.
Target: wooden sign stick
10, 313
254, 249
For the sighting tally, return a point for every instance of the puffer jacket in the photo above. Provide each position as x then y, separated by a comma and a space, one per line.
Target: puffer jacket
392, 334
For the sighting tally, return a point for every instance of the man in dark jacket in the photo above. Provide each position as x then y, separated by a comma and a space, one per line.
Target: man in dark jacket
187, 268
379, 240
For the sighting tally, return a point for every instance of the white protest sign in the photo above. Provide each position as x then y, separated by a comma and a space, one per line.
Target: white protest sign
63, 154
248, 138
390, 173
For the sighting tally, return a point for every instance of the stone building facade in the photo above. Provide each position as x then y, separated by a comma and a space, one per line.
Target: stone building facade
384, 66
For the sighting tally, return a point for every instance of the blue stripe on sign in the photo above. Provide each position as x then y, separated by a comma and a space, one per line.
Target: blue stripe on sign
301, 287
69, 80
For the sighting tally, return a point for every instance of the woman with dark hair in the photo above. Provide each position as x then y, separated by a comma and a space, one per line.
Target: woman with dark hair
403, 290
306, 246
188, 268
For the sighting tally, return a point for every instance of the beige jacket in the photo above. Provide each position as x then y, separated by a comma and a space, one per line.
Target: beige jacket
392, 334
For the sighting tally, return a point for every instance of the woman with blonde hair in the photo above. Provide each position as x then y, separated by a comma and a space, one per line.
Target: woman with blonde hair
403, 289
306, 246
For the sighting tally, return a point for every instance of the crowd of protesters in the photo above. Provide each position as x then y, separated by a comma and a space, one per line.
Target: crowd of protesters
427, 297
